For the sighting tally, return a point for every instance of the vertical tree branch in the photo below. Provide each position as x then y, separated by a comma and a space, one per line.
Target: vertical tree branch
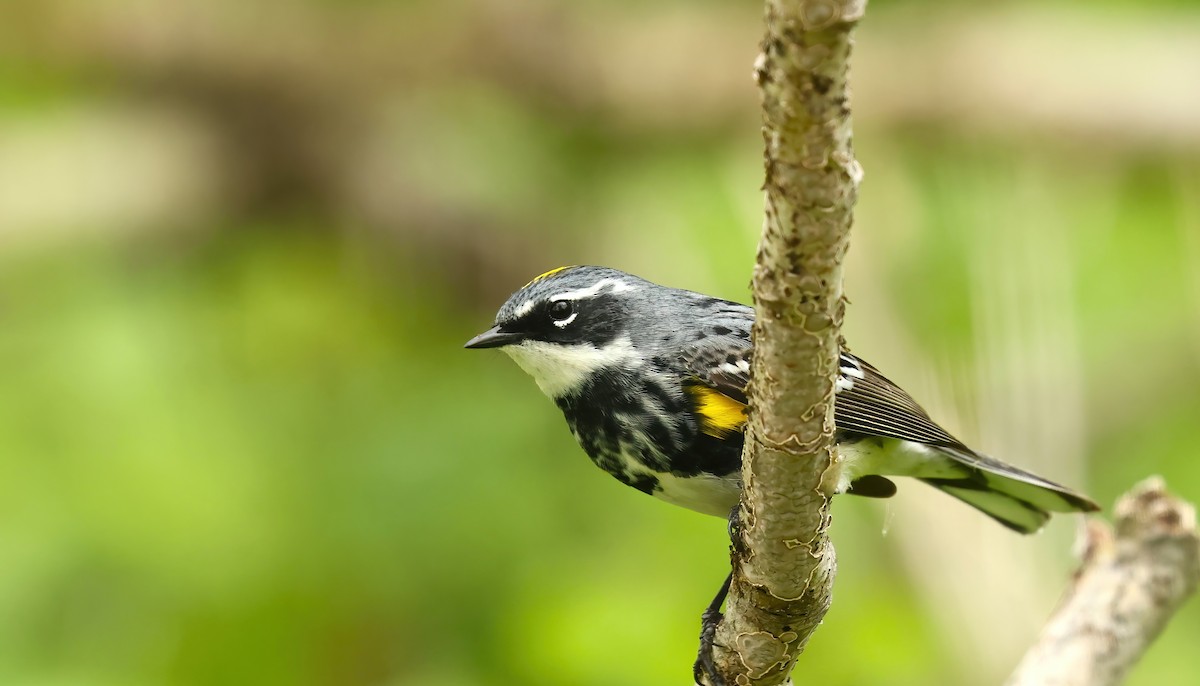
783, 562
1130, 583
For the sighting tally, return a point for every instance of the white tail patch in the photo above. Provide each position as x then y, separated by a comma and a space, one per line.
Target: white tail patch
1008, 510
1034, 491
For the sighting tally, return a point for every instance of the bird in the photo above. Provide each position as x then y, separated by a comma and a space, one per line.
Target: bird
652, 383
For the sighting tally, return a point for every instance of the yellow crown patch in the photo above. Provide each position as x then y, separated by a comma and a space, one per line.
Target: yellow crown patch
544, 275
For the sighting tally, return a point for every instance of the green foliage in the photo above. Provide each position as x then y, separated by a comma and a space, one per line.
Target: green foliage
257, 454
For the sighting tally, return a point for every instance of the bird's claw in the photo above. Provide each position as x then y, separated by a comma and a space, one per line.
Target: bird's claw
705, 666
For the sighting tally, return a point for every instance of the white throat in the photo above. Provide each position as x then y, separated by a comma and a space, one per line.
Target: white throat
559, 369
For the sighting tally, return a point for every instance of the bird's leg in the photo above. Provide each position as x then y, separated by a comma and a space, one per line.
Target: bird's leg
704, 665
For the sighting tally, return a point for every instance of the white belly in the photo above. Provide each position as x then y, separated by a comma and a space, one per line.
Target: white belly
893, 458
716, 495
705, 493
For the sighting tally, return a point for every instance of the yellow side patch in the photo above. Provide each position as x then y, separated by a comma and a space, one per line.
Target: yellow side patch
719, 414
543, 275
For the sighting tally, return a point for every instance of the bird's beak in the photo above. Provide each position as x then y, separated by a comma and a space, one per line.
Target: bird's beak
494, 338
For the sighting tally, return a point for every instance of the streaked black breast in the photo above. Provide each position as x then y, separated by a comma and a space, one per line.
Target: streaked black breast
631, 423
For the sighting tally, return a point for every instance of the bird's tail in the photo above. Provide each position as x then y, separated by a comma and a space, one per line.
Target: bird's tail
1017, 499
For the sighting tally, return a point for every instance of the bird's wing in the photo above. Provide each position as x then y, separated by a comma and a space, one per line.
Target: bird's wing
720, 369
867, 402
722, 364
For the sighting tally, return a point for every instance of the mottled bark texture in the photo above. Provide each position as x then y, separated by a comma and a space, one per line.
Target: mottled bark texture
783, 562
1133, 577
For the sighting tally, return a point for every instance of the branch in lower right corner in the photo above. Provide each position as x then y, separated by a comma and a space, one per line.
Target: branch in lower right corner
1133, 578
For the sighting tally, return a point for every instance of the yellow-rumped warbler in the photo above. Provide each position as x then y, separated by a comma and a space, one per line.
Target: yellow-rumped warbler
652, 381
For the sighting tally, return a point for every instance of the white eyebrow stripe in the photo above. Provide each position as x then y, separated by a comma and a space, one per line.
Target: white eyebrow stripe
523, 309
618, 286
563, 324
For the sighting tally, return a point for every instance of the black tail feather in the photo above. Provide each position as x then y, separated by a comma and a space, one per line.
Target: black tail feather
1012, 512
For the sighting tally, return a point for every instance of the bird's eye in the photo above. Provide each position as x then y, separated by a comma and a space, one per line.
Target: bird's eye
561, 309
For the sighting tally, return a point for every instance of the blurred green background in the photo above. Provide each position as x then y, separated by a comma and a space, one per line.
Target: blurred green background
241, 245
